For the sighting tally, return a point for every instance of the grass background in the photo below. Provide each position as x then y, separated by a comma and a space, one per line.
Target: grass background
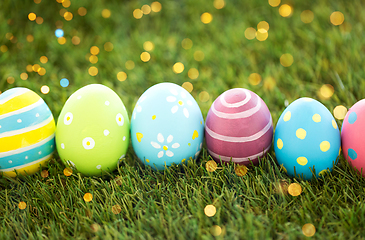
170, 204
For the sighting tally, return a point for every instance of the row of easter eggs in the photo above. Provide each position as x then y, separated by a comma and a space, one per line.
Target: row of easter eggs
167, 127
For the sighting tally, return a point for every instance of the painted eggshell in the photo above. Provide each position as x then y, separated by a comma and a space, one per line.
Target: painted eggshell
167, 126
306, 139
27, 132
238, 127
353, 138
93, 130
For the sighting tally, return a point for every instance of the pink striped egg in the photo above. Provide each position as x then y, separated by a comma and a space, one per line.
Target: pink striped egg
238, 127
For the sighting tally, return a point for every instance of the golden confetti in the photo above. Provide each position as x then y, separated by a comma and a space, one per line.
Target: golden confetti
22, 205
93, 71
337, 18
281, 187
250, 33
308, 230
93, 59
75, 40
148, 46
285, 10
137, 13
145, 57
3, 48
204, 96
44, 174
88, 197
274, 3
116, 209
146, 9
193, 73
188, 86
32, 16
199, 56
210, 210
94, 50
262, 34
129, 65
68, 16
286, 59
307, 16
45, 89
178, 67
211, 166
82, 11
187, 43
122, 76
219, 4
10, 80
295, 189
95, 227
43, 59
206, 18
263, 25
24, 76
240, 170
61, 40
340, 112
156, 6
118, 181
254, 79
326, 91
67, 171
106, 13
30, 38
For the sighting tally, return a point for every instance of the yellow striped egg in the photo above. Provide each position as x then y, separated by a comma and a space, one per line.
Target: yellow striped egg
27, 131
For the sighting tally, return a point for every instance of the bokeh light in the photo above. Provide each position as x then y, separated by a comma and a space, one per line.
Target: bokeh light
216, 230
68, 16
286, 59
346, 27
3, 48
108, 46
36, 67
156, 7
43, 59
59, 33
129, 65
206, 18
39, 20
308, 230
262, 34
106, 13
148, 46
274, 3
82, 11
32, 16
285, 10
64, 82
30, 38
29, 68
75, 40
9, 36
340, 112
42, 71
93, 71
188, 86
210, 210
307, 16
62, 12
263, 25
94, 50
337, 18
24, 76
219, 4
146, 9
93, 59
199, 56
66, 3
145, 57
10, 80
250, 33
45, 89
193, 73
137, 13
269, 83
187, 43
61, 40
254, 79
37, 1
204, 96
122, 76
178, 67
326, 91
59, 24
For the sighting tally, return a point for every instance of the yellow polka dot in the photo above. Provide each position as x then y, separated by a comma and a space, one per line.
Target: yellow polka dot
201, 122
153, 117
302, 161
287, 116
316, 117
279, 143
189, 144
301, 133
183, 160
325, 145
323, 172
334, 125
147, 160
139, 136
195, 134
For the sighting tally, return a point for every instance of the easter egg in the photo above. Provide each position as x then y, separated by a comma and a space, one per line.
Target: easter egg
352, 136
306, 139
27, 132
167, 126
238, 127
93, 130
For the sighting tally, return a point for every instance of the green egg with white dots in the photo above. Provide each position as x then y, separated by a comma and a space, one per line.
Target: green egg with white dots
92, 132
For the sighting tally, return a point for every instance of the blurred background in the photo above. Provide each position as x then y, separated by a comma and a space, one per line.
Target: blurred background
282, 50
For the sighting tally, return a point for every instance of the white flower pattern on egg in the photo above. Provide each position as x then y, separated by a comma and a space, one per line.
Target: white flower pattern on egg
138, 107
179, 99
161, 140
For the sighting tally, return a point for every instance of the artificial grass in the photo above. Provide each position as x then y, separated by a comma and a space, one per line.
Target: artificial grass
170, 204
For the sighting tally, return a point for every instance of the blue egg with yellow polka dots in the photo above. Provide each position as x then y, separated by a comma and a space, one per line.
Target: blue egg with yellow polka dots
307, 139
167, 126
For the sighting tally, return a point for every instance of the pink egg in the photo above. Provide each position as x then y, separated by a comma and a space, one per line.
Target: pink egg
238, 127
353, 137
